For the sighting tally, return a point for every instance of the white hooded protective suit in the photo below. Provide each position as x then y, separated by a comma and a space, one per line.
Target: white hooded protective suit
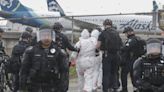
97, 79
85, 62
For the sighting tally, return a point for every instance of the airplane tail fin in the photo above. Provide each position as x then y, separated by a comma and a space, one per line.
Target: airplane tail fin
155, 6
54, 6
12, 6
155, 16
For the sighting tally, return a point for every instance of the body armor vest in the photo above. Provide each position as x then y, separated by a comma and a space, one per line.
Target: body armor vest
153, 72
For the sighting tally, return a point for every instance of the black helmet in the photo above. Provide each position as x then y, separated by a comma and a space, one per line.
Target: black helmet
107, 22
29, 29
57, 26
127, 29
26, 35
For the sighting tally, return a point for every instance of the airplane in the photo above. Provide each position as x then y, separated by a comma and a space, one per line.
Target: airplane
140, 23
16, 12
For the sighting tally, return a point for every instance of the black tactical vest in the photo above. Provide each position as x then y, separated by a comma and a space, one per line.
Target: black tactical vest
45, 65
153, 72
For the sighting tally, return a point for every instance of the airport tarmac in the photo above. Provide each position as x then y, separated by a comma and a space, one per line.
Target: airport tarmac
73, 87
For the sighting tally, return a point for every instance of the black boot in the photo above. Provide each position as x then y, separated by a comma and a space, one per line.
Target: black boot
124, 90
115, 90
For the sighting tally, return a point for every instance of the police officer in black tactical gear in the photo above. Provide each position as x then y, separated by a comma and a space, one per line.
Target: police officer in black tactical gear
129, 55
33, 38
63, 43
109, 42
16, 57
149, 69
62, 39
44, 66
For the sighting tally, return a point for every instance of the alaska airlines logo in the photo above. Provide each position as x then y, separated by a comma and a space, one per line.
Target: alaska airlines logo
53, 6
7, 3
135, 24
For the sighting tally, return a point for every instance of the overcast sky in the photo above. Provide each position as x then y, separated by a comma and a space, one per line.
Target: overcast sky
82, 7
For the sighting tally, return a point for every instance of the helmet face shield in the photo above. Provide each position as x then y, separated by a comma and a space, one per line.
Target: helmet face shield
44, 34
153, 48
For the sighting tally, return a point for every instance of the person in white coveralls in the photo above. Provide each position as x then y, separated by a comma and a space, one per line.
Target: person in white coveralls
97, 79
85, 62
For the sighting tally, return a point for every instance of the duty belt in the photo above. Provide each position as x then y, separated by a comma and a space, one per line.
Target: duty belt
106, 53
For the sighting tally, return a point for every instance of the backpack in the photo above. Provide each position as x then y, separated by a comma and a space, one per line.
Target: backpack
112, 41
16, 58
141, 46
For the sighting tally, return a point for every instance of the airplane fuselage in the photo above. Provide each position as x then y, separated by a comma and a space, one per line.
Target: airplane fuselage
21, 14
140, 23
31, 18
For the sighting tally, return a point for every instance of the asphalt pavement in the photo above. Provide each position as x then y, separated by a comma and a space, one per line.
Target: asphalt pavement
73, 86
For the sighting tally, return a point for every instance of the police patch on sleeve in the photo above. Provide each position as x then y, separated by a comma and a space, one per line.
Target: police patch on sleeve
53, 50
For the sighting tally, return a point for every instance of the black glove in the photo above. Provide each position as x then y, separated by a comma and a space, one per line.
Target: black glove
97, 52
77, 50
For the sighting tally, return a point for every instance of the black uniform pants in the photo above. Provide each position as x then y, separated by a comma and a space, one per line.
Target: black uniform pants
110, 70
150, 90
146, 90
125, 70
15, 82
67, 75
44, 87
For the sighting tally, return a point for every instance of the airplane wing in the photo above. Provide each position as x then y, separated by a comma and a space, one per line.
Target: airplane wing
83, 24
5, 13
